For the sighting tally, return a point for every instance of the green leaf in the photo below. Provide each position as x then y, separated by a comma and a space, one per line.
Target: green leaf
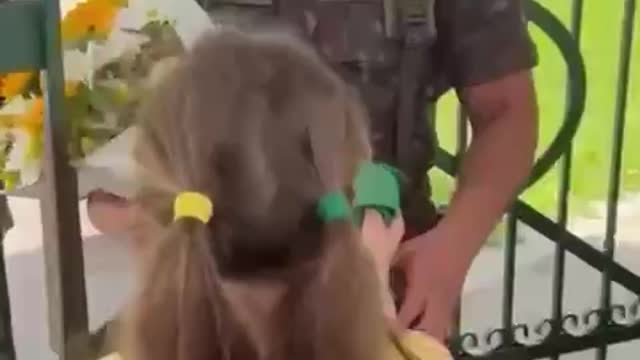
10, 179
110, 95
101, 134
101, 100
88, 144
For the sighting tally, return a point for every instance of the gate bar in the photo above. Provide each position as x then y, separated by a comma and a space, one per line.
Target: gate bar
62, 242
509, 274
578, 247
557, 301
616, 158
553, 232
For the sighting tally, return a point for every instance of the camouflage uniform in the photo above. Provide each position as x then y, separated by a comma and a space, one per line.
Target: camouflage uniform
461, 43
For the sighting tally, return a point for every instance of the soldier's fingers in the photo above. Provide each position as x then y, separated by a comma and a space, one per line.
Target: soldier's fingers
412, 307
436, 319
405, 253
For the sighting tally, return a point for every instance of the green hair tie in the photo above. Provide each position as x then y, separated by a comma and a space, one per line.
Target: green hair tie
377, 187
334, 206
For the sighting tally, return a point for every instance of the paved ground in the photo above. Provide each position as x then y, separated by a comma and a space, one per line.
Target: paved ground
107, 270
109, 279
482, 301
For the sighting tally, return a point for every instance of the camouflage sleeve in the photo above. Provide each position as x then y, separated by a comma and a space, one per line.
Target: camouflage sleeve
483, 40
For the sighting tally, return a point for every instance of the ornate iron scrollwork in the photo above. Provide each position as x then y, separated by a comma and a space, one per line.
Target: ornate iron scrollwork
548, 331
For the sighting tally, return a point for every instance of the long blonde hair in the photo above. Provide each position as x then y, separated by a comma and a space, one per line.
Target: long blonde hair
261, 125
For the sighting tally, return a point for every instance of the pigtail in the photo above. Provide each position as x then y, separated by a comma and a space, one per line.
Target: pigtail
344, 271
181, 312
321, 326
203, 312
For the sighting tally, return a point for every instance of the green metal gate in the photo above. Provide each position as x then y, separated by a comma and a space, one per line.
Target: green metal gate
30, 40
36, 24
609, 323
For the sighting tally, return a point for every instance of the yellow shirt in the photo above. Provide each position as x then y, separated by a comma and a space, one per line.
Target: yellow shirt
422, 346
418, 344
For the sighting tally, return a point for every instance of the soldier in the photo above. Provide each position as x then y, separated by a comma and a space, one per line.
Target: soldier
403, 55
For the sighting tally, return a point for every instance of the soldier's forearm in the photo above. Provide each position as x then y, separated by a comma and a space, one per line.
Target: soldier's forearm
498, 160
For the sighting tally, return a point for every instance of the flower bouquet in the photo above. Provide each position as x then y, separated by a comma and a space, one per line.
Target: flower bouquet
113, 50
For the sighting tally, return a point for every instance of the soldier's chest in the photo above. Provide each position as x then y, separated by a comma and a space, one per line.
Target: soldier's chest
343, 30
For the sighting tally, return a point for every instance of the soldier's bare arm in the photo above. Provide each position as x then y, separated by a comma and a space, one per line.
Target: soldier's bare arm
491, 55
488, 56
503, 118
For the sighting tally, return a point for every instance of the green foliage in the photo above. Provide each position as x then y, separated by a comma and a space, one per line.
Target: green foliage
98, 107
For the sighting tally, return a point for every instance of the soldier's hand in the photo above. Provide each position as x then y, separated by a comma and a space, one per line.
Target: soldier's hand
435, 273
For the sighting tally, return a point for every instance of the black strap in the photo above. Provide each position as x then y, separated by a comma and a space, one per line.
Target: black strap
418, 25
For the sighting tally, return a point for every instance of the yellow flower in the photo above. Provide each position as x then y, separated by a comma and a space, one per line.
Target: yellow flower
31, 122
91, 18
14, 84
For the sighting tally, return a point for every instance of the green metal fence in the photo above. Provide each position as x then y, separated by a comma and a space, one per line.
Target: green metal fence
35, 22
564, 333
30, 40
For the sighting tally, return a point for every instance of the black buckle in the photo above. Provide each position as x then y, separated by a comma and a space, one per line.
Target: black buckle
418, 21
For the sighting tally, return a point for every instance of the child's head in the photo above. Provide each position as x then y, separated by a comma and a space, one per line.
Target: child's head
260, 125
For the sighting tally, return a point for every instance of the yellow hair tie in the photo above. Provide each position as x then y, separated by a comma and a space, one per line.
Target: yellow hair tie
192, 205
